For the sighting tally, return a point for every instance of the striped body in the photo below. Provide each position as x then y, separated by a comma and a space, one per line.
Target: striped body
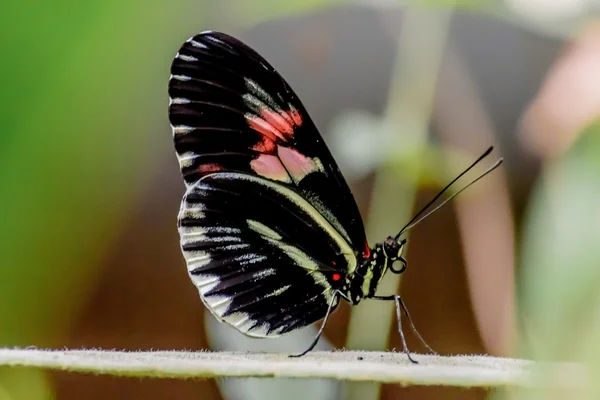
363, 283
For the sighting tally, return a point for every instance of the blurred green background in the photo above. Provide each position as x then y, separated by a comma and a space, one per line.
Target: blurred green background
405, 93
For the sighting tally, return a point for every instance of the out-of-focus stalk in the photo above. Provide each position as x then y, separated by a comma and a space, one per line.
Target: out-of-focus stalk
420, 48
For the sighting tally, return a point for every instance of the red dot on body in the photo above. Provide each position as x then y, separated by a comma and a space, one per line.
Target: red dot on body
336, 277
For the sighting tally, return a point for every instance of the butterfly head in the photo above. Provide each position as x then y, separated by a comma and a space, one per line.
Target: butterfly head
393, 249
364, 282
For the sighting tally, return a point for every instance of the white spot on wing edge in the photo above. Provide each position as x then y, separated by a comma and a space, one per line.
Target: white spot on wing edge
186, 159
237, 319
205, 283
186, 58
243, 322
196, 44
219, 304
181, 129
183, 78
190, 210
179, 100
196, 259
259, 331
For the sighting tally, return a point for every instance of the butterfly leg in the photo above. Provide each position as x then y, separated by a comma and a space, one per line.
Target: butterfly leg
413, 328
397, 301
314, 343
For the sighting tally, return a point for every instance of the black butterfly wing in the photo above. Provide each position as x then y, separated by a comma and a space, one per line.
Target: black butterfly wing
268, 225
231, 111
262, 257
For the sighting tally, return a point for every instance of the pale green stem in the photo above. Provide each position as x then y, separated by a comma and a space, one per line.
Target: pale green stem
420, 48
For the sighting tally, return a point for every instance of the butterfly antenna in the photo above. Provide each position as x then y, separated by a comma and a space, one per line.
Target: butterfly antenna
417, 218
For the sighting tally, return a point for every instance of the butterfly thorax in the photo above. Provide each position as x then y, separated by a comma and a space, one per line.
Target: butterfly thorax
367, 276
363, 282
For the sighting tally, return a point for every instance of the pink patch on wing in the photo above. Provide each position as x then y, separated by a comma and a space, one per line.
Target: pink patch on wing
297, 164
210, 167
278, 122
270, 167
264, 128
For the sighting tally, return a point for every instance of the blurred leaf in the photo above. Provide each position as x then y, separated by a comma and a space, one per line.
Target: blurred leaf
27, 384
464, 4
409, 105
256, 11
365, 142
83, 109
561, 261
75, 157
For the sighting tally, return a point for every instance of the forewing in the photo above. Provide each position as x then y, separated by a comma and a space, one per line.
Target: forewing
263, 258
231, 111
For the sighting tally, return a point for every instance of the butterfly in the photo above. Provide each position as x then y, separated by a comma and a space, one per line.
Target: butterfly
270, 232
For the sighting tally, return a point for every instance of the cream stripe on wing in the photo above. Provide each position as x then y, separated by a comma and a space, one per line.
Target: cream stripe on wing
295, 198
301, 259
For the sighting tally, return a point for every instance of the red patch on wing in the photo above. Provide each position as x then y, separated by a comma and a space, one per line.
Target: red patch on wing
367, 251
296, 116
336, 277
210, 167
278, 121
275, 125
267, 146
265, 129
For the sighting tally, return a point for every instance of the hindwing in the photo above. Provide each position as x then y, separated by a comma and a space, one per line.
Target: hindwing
263, 258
